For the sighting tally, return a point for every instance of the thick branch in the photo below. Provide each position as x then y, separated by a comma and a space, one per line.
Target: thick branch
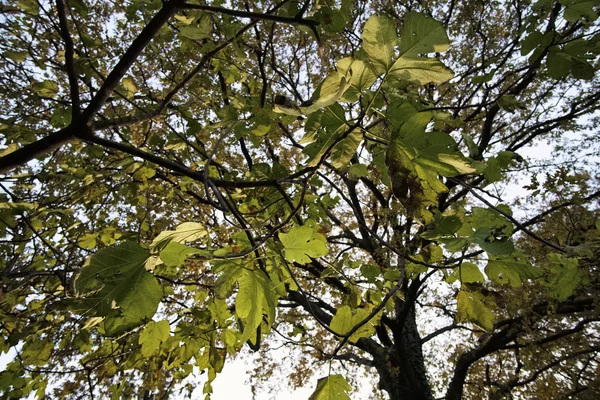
467, 359
81, 128
36, 149
132, 53
69, 59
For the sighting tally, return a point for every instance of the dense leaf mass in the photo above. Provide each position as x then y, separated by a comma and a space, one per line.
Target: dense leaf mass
402, 193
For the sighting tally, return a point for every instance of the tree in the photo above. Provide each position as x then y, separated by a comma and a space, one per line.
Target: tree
183, 180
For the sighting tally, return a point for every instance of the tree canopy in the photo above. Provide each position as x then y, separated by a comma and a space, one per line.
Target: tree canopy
360, 181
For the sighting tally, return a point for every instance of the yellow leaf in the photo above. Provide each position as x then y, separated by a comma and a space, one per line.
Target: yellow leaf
129, 85
184, 20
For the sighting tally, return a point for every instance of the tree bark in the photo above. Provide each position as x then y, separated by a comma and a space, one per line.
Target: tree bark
402, 370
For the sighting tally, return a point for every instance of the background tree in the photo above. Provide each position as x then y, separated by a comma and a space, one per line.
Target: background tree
182, 179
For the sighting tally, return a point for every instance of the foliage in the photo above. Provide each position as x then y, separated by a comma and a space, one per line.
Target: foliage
355, 180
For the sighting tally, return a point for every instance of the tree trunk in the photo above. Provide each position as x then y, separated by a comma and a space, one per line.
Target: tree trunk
402, 372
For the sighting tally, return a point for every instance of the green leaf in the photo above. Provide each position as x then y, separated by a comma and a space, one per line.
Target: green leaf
184, 20
533, 40
421, 34
333, 387
29, 6
471, 145
346, 318
144, 173
582, 69
329, 92
186, 232
493, 246
412, 131
580, 9
447, 226
379, 163
152, 336
46, 88
424, 70
558, 64
400, 112
254, 296
88, 241
466, 273
509, 103
16, 56
344, 150
331, 20
379, 39
357, 171
198, 31
493, 171
370, 272
174, 254
327, 128
219, 310
461, 164
80, 7
563, 276
227, 280
115, 284
415, 181
439, 167
248, 299
261, 130
61, 117
362, 77
301, 243
37, 352
129, 84
474, 307
342, 321
510, 270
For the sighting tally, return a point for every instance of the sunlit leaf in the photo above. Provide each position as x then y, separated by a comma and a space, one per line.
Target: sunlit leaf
255, 296
362, 77
88, 241
329, 92
333, 387
475, 308
186, 232
45, 88
184, 20
115, 280
129, 85
466, 273
346, 318
424, 70
175, 254
301, 243
379, 38
152, 336
422, 34
459, 163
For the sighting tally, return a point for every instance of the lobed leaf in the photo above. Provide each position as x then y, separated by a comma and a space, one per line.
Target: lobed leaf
333, 387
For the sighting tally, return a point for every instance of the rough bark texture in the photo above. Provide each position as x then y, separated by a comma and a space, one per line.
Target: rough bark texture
402, 368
